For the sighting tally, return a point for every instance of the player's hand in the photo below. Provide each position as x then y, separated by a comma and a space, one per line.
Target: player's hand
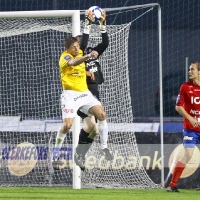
89, 18
93, 54
102, 21
91, 75
194, 122
103, 16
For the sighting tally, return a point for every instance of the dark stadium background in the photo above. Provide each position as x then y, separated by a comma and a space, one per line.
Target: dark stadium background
180, 23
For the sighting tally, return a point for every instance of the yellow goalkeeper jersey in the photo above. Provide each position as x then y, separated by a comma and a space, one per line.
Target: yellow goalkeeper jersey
72, 77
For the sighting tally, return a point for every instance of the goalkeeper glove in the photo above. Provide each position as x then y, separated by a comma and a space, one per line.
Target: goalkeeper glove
89, 18
102, 21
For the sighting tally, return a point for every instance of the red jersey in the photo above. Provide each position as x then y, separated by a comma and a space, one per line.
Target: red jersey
189, 99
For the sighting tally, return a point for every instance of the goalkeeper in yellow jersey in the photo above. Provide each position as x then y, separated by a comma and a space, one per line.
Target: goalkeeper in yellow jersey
75, 93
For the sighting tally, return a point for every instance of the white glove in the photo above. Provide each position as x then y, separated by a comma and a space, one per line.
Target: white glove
102, 21
89, 18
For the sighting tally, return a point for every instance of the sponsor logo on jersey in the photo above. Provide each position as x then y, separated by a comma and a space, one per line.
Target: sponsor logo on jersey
197, 90
187, 138
195, 100
91, 62
93, 69
89, 50
195, 112
67, 57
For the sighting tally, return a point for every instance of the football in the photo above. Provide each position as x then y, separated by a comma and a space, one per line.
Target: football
97, 12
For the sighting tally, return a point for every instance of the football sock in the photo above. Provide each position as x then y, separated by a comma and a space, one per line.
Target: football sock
179, 167
59, 141
103, 133
86, 147
83, 140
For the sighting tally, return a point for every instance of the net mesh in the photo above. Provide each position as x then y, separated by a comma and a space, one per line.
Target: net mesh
30, 88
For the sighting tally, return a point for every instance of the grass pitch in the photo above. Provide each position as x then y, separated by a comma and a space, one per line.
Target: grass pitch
40, 193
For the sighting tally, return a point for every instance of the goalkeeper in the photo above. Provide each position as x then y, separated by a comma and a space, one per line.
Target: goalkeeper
94, 78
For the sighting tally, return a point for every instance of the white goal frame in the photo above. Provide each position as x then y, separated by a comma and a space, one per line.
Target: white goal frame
160, 71
75, 15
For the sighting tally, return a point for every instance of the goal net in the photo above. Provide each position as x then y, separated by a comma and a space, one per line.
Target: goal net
30, 108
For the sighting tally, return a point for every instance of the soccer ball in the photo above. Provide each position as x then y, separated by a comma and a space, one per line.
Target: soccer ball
97, 12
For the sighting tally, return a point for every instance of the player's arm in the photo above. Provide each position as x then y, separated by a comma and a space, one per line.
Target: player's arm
90, 74
181, 110
180, 102
78, 61
84, 41
184, 114
100, 48
89, 18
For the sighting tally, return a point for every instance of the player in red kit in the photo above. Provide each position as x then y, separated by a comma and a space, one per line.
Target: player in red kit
188, 106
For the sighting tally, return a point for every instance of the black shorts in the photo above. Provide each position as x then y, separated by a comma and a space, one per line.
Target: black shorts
81, 114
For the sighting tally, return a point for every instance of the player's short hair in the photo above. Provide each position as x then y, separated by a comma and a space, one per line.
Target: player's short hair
69, 41
197, 65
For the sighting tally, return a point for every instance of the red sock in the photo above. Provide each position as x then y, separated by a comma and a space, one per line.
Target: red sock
179, 167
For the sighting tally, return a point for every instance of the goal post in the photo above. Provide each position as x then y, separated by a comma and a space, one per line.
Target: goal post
75, 30
32, 41
160, 71
159, 23
74, 14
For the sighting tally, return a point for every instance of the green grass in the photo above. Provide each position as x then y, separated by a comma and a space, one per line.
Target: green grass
29, 193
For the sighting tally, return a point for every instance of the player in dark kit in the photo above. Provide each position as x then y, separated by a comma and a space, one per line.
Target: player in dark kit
188, 106
94, 78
